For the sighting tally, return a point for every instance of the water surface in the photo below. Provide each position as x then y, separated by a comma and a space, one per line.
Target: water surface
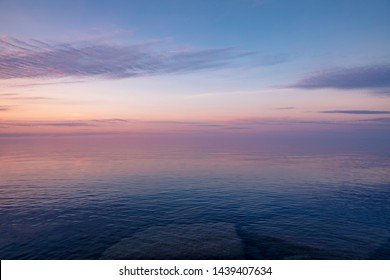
142, 198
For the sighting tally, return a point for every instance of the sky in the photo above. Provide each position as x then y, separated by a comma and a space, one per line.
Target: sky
237, 66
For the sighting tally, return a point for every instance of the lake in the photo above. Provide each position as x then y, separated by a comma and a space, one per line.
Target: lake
165, 197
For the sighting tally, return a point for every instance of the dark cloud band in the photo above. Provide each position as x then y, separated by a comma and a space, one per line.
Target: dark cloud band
367, 77
357, 112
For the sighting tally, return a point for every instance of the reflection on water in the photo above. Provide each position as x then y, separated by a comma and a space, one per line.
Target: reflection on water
144, 199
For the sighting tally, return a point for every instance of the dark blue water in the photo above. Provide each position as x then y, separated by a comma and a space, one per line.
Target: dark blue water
136, 199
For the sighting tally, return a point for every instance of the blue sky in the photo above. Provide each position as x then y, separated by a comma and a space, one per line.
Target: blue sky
209, 61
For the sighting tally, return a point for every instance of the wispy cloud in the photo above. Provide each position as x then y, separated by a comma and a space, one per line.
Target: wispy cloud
8, 94
356, 112
60, 81
25, 99
53, 124
377, 120
285, 108
282, 121
109, 121
37, 59
4, 108
366, 77
76, 123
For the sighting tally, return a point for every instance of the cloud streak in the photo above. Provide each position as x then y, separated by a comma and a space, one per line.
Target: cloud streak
36, 59
356, 112
12, 96
378, 120
4, 108
366, 77
285, 108
52, 124
76, 123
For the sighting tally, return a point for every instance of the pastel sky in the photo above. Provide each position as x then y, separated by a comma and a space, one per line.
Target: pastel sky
214, 66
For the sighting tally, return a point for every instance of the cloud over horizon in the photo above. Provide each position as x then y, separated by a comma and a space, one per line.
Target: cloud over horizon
167, 127
356, 112
76, 123
37, 59
365, 77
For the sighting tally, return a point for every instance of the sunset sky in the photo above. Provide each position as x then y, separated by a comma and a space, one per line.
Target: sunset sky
222, 66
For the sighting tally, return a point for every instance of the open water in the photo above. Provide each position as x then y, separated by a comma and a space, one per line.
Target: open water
140, 198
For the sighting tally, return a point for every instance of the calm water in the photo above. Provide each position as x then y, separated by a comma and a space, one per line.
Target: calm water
208, 199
